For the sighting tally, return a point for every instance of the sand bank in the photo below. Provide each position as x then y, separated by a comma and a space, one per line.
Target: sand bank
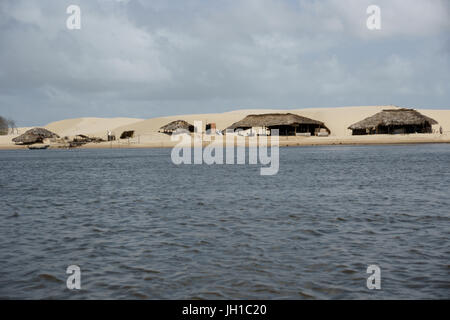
147, 135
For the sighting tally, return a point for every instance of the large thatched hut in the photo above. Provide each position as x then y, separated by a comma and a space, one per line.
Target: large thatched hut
394, 121
176, 125
288, 124
35, 135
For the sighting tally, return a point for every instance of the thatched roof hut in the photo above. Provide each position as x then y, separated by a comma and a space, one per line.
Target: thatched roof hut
176, 125
35, 135
286, 123
394, 121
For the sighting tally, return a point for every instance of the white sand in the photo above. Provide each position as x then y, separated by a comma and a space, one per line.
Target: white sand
88, 126
336, 119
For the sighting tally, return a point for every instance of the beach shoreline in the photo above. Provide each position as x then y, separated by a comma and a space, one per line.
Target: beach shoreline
290, 141
146, 132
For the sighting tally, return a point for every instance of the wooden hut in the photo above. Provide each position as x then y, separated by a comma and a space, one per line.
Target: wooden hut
173, 126
35, 135
394, 121
288, 124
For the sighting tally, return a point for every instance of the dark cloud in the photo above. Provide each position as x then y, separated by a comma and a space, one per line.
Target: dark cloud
153, 58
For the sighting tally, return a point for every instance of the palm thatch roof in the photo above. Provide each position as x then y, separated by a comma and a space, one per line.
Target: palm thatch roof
35, 135
273, 119
175, 125
393, 117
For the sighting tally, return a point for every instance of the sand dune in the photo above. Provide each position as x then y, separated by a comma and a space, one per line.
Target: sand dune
336, 119
88, 126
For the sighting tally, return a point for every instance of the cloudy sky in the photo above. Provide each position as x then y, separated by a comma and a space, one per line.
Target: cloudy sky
146, 58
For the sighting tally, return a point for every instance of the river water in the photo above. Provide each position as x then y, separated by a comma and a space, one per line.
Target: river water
140, 227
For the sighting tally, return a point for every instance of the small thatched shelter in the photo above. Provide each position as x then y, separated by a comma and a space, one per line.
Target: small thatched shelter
287, 123
35, 135
176, 125
394, 121
127, 134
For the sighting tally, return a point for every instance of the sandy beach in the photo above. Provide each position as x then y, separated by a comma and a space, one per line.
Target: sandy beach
147, 135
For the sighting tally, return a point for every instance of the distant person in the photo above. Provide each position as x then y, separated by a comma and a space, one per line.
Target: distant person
440, 129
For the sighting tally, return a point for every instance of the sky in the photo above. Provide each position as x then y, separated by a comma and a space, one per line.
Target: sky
149, 58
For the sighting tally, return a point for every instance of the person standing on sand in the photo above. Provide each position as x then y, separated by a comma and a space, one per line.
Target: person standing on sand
440, 129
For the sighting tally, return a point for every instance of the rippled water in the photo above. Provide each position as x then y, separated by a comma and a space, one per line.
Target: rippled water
140, 227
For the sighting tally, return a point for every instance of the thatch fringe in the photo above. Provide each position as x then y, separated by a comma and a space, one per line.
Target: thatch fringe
393, 117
